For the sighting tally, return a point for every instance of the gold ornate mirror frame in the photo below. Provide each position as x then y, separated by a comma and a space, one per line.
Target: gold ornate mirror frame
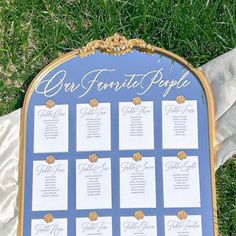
115, 45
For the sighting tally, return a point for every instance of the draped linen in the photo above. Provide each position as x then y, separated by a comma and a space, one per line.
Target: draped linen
221, 73
9, 158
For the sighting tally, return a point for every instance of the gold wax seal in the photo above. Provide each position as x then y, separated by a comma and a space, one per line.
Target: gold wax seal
180, 99
137, 156
50, 104
137, 101
93, 216
182, 215
139, 215
182, 155
48, 218
50, 159
93, 102
93, 158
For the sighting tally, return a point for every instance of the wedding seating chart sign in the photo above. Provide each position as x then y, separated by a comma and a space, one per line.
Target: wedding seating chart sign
116, 140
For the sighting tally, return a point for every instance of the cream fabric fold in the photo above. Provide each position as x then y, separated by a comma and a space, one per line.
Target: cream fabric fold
221, 73
9, 158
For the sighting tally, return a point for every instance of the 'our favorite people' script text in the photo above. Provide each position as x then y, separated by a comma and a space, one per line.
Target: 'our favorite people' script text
94, 79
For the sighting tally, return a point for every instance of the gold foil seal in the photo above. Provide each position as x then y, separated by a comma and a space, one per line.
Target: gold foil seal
94, 102
50, 104
50, 159
182, 155
93, 216
180, 99
137, 156
182, 215
139, 215
137, 101
93, 158
48, 218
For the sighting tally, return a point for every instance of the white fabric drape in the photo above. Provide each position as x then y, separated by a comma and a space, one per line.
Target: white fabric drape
221, 73
9, 158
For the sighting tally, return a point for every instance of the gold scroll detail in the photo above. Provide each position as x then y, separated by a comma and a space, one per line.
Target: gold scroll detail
116, 45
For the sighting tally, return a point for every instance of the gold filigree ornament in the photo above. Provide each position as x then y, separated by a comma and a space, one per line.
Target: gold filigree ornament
182, 215
182, 155
50, 159
48, 218
180, 99
50, 104
139, 215
93, 216
115, 45
93, 158
137, 101
137, 156
94, 102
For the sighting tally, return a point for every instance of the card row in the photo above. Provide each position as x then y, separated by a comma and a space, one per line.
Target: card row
137, 183
136, 126
129, 226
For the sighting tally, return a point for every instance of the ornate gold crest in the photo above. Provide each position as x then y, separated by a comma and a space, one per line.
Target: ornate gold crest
116, 45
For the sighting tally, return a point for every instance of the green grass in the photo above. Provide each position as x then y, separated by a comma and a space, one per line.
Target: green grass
34, 33
226, 198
